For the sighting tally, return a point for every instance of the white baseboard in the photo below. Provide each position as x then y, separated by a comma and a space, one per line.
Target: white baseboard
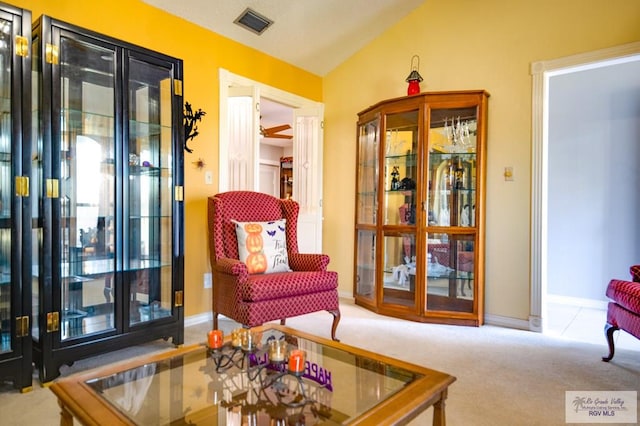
198, 319
489, 319
506, 322
345, 295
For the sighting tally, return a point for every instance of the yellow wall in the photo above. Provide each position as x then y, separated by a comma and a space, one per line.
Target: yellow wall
467, 44
203, 53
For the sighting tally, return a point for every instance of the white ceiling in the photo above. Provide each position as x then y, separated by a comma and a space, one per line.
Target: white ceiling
315, 35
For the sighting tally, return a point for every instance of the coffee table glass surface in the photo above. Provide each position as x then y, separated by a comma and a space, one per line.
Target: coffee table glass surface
263, 382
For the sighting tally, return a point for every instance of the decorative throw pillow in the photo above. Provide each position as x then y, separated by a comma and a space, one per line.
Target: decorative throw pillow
262, 246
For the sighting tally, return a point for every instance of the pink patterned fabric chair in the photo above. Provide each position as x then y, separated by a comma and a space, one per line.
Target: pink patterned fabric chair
253, 299
623, 311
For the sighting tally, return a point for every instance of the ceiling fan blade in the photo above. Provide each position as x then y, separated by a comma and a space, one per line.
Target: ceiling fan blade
277, 129
276, 136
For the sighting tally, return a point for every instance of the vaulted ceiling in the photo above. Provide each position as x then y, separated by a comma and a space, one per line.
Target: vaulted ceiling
315, 35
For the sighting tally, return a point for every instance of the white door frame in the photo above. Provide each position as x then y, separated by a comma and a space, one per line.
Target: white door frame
542, 71
298, 103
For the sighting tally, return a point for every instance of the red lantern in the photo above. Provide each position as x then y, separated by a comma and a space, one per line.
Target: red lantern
414, 78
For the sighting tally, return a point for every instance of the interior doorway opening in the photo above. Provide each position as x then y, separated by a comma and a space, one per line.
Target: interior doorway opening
243, 127
542, 73
276, 149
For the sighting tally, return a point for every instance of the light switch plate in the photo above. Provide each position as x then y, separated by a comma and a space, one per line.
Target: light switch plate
508, 173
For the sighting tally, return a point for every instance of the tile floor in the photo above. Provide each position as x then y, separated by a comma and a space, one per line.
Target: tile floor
584, 324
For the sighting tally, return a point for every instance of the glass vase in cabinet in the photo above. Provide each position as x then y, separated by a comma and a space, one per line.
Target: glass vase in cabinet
111, 269
419, 244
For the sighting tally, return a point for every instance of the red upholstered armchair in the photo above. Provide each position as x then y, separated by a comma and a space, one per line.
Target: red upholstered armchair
623, 311
254, 298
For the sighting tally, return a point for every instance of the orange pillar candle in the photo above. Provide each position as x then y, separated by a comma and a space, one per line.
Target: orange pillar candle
215, 339
296, 361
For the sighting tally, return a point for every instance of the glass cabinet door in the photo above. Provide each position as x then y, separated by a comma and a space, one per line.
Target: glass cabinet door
366, 208
15, 197
109, 223
367, 184
6, 179
148, 262
399, 207
86, 160
451, 203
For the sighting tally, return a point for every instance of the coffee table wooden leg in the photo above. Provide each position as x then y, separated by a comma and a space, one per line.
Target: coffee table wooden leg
439, 418
66, 419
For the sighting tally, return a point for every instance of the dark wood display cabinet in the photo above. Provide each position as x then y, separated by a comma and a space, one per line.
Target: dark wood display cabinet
15, 200
111, 255
419, 227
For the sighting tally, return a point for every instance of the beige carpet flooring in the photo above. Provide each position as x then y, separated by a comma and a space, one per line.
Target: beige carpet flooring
504, 376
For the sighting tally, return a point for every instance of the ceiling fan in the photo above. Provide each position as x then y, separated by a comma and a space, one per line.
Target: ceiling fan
273, 132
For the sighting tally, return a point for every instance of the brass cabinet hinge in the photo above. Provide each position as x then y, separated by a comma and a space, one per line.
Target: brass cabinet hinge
22, 326
51, 54
52, 188
179, 193
22, 46
22, 186
53, 322
178, 299
177, 87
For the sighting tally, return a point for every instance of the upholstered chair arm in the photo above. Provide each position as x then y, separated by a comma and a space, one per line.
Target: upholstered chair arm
230, 266
308, 261
635, 273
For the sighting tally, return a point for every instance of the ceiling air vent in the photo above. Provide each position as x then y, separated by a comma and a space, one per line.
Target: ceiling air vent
253, 21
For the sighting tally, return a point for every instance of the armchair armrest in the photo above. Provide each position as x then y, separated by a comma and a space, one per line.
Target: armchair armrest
635, 273
226, 265
308, 261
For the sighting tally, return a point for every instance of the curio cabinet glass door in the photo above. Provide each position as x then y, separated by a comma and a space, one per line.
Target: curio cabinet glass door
367, 208
454, 208
111, 253
15, 196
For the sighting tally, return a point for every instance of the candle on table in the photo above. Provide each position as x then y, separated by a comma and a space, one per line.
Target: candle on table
277, 350
215, 339
247, 340
296, 361
236, 337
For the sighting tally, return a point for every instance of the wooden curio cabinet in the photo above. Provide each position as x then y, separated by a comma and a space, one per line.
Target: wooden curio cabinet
15, 196
419, 228
110, 191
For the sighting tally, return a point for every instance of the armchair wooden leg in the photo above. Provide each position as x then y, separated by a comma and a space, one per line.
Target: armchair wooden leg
334, 327
283, 321
608, 331
215, 320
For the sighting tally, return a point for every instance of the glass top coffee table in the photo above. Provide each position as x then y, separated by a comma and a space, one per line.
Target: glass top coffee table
256, 385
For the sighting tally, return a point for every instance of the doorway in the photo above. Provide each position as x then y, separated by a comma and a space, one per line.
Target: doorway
276, 144
241, 133
547, 174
